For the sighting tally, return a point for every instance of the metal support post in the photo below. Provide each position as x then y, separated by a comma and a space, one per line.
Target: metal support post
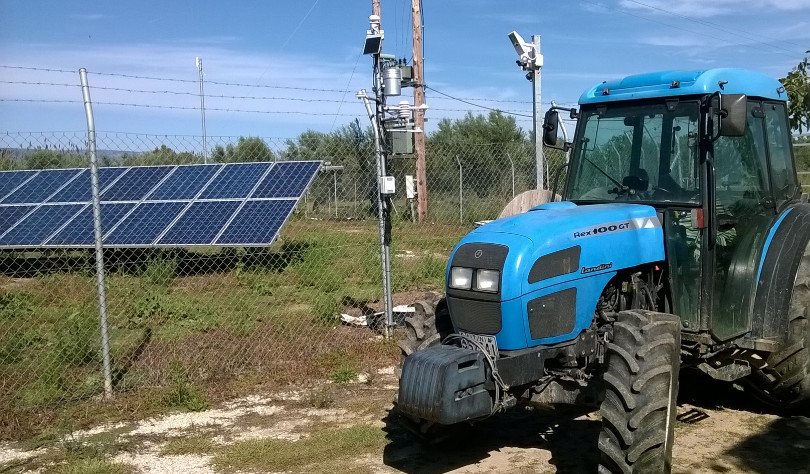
536, 112
512, 164
382, 210
460, 191
100, 280
202, 111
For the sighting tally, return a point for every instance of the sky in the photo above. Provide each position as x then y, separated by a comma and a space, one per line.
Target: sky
278, 68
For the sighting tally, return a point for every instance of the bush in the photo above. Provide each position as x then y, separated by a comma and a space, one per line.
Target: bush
326, 307
160, 272
182, 393
80, 340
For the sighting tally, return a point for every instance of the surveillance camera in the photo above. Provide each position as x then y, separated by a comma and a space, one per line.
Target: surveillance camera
521, 46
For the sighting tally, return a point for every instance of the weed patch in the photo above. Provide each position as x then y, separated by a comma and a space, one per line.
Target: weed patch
182, 393
78, 343
306, 455
326, 307
160, 272
93, 466
181, 445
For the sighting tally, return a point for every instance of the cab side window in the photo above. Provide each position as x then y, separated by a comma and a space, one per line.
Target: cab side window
783, 175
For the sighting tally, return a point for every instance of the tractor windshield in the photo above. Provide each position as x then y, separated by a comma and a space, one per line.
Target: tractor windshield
644, 152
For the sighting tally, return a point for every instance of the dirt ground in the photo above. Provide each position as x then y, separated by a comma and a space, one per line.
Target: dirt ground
720, 430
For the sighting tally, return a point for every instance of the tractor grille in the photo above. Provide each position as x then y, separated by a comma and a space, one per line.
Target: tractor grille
479, 317
553, 315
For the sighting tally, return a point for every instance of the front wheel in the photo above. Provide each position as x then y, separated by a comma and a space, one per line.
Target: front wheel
641, 389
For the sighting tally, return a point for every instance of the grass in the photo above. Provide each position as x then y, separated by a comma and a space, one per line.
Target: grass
182, 445
318, 453
92, 466
230, 318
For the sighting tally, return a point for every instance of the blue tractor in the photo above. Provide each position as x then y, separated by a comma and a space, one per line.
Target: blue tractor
681, 242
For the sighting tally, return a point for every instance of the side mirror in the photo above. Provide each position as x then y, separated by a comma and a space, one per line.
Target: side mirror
733, 115
551, 122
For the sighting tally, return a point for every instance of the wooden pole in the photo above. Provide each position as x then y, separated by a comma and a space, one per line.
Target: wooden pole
375, 7
419, 115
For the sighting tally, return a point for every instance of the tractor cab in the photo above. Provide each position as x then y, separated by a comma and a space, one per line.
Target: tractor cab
711, 152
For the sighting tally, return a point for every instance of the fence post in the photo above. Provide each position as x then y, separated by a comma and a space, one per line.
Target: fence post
102, 296
460, 192
512, 164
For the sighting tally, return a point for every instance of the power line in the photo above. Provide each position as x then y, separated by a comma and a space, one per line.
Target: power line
669, 25
25, 68
236, 84
295, 30
343, 99
473, 104
180, 107
195, 94
736, 32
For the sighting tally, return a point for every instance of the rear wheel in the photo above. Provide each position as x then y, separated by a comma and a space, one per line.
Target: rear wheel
641, 388
783, 380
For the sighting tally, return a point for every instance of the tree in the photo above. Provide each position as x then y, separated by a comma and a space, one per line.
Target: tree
159, 156
246, 150
486, 146
797, 83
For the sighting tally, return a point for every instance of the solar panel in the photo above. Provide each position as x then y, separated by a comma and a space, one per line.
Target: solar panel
144, 224
235, 181
79, 232
243, 228
41, 186
165, 206
9, 181
136, 183
201, 223
39, 225
79, 189
285, 180
185, 183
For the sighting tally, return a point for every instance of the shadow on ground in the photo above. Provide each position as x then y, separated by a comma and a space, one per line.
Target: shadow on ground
783, 446
777, 445
571, 442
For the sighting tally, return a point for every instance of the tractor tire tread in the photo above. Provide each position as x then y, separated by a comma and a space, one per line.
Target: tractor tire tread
784, 379
641, 384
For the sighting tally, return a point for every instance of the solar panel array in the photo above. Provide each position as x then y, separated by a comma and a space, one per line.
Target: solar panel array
234, 204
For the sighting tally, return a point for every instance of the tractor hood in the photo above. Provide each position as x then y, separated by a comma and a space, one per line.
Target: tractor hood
558, 242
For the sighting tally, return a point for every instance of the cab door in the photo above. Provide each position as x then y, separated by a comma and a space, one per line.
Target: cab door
747, 170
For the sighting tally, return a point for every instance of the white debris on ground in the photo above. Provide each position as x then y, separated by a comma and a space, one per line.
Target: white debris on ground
9, 455
152, 461
400, 312
179, 422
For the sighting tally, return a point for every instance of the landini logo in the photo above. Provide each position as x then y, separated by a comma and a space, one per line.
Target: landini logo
597, 268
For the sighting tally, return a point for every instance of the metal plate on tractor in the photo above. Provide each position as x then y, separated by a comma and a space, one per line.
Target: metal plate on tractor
488, 343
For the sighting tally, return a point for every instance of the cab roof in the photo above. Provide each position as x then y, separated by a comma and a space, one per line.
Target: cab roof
681, 83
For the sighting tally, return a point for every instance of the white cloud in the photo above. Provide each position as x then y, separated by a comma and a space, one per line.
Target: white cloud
89, 16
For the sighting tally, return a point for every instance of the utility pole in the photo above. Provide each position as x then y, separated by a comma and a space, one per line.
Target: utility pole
202, 110
419, 114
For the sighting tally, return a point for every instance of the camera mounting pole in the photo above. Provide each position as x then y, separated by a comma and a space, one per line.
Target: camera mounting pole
532, 61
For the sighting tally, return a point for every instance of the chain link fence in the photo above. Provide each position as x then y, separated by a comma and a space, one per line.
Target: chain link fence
188, 325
